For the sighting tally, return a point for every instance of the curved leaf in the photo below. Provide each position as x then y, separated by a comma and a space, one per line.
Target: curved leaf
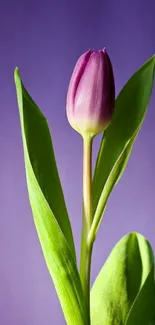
48, 207
131, 107
112, 180
124, 291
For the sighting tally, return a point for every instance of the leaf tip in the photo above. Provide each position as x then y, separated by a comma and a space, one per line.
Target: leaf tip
16, 74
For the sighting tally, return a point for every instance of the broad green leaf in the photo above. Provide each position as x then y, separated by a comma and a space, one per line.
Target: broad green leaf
48, 207
118, 139
124, 291
42, 159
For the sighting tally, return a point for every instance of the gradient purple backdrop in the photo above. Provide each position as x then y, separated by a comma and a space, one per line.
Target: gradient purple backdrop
44, 39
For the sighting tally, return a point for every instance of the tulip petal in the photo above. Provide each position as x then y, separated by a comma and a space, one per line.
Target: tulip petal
75, 79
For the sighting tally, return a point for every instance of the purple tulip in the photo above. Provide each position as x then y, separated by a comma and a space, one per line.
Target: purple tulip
91, 93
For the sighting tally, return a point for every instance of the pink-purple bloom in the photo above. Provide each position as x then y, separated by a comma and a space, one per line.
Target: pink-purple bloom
91, 93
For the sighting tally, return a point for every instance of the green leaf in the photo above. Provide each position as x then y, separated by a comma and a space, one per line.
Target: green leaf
41, 155
124, 291
113, 178
118, 139
48, 207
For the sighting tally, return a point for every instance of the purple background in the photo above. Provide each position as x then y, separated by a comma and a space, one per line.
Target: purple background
44, 39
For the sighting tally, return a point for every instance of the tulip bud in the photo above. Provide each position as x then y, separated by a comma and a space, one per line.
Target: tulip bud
91, 94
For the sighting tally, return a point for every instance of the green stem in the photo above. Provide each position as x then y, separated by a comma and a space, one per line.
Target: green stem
86, 248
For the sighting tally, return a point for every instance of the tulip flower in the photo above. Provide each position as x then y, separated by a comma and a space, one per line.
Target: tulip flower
91, 93
90, 107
